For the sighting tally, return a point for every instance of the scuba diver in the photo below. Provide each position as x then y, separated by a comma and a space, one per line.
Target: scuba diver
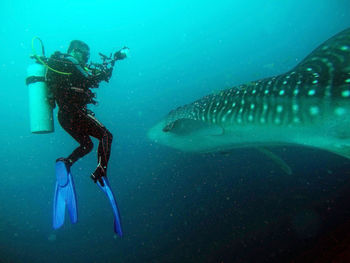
72, 94
69, 81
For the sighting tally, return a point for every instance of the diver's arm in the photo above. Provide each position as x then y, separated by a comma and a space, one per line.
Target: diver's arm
78, 67
91, 79
67, 64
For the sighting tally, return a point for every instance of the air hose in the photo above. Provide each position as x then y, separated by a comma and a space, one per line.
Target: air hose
43, 54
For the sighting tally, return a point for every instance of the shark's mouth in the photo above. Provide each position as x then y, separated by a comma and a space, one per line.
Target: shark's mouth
183, 127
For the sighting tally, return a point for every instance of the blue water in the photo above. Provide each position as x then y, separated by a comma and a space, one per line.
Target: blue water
175, 207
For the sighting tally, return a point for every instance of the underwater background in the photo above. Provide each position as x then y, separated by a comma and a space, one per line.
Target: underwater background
175, 206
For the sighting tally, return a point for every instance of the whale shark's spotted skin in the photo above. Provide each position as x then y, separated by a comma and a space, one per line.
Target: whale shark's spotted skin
308, 105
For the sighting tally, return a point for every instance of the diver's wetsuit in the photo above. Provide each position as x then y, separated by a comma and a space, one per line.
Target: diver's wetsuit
72, 93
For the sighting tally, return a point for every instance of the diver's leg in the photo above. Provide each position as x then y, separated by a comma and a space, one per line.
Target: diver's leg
99, 176
104, 151
105, 137
76, 126
104, 147
83, 149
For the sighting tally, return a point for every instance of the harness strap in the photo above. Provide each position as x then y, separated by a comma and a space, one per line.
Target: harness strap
34, 79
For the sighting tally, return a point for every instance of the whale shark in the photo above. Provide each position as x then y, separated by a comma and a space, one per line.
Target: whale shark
307, 106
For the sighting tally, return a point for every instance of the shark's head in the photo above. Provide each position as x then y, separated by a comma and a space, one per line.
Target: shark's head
186, 134
184, 130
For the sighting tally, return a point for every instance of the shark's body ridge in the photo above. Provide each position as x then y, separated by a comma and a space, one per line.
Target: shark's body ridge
308, 105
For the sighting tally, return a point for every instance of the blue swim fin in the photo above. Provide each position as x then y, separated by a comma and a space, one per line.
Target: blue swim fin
64, 195
108, 191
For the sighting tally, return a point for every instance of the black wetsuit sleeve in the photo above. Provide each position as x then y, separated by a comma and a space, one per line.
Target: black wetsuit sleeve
65, 65
78, 68
91, 78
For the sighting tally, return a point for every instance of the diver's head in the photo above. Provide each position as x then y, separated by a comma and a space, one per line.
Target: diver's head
79, 50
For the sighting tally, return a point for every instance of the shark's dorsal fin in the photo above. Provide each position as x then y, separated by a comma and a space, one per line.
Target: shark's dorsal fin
334, 46
326, 68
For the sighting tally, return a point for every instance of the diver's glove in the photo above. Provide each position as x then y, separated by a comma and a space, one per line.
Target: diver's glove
121, 54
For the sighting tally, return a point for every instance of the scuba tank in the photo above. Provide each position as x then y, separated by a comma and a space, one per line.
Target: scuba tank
40, 109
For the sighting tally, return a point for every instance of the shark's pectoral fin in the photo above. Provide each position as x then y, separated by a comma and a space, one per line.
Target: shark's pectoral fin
189, 126
276, 159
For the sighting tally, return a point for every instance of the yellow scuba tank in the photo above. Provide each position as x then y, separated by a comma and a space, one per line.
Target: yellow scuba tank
40, 109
